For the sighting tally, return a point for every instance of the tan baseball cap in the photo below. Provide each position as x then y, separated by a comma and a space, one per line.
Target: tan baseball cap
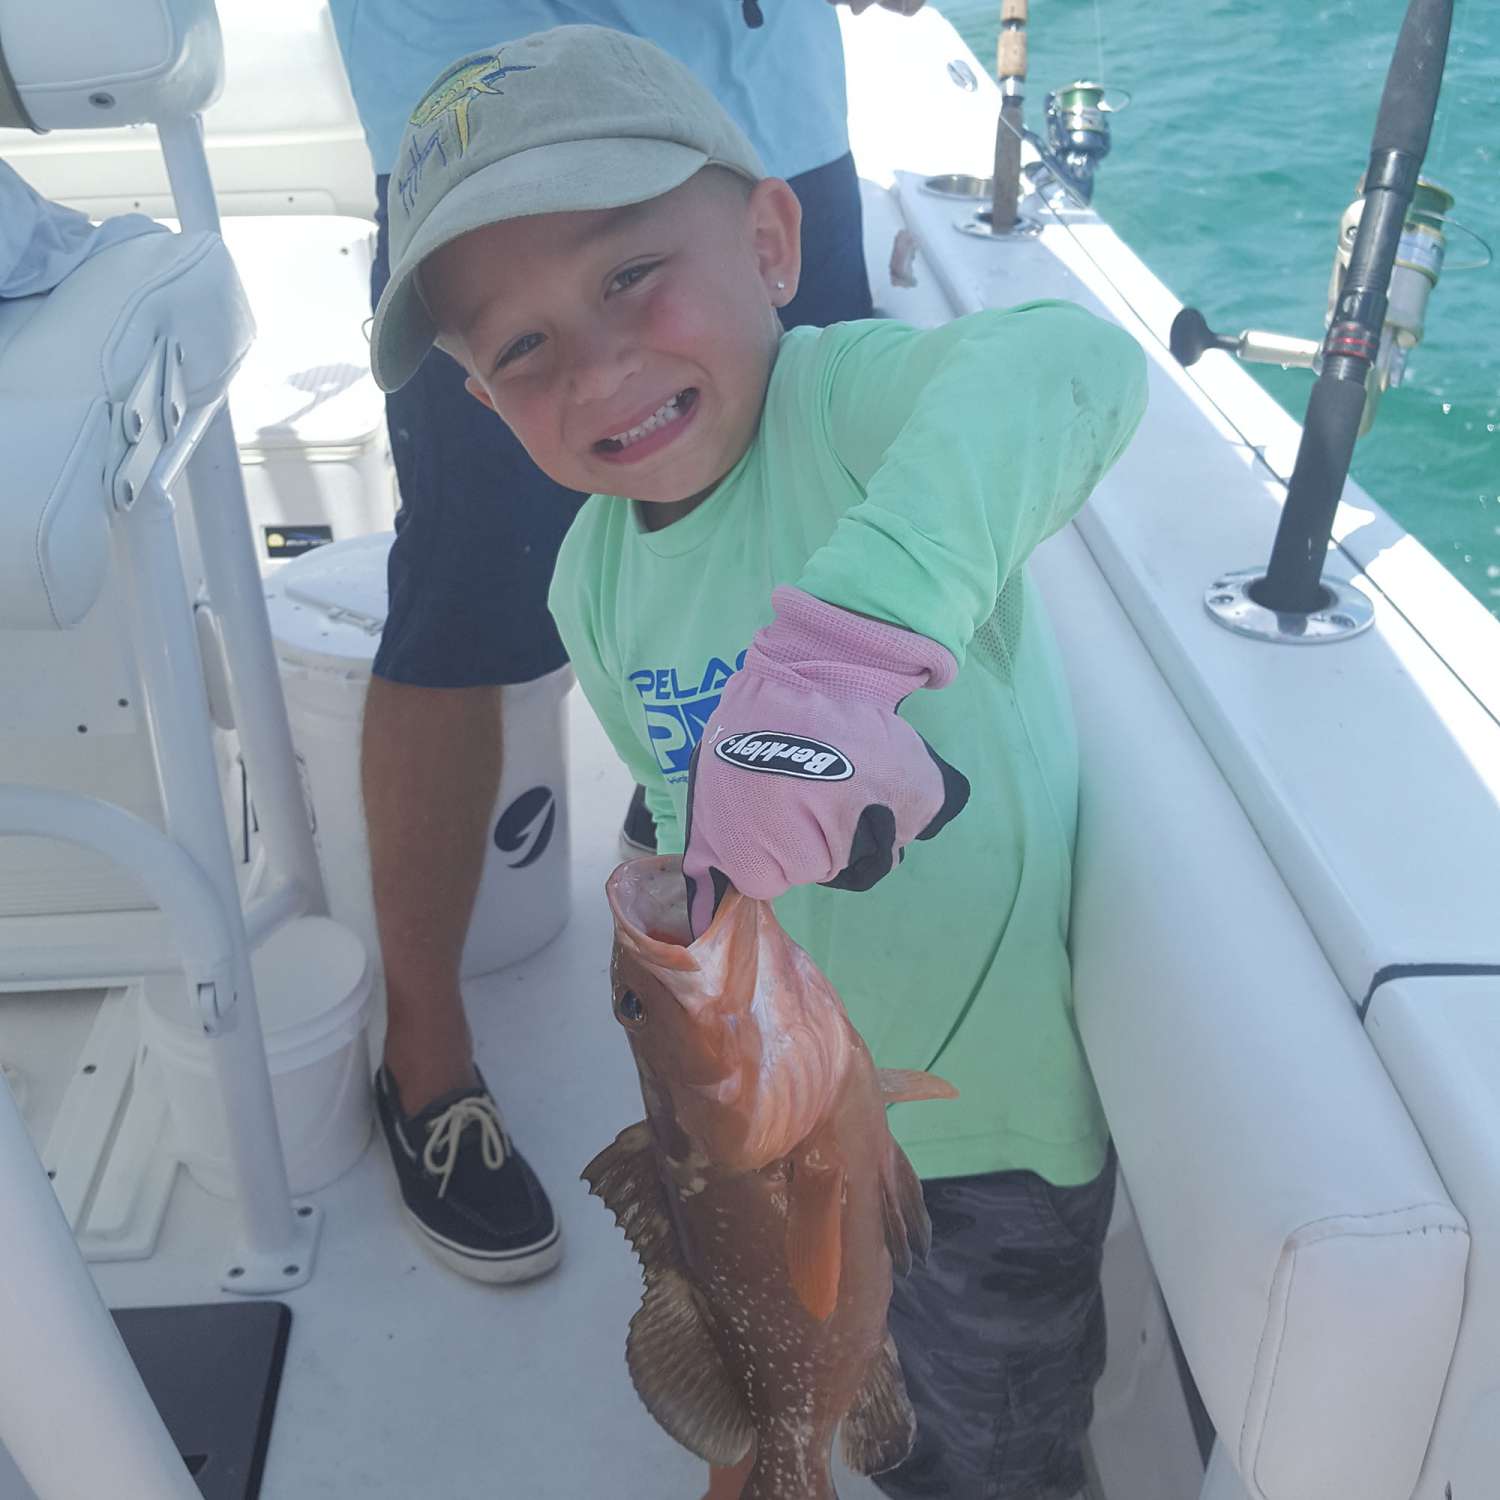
579, 117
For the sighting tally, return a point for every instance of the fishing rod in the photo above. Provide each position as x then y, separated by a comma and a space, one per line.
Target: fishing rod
1078, 139
1011, 69
1291, 591
1336, 407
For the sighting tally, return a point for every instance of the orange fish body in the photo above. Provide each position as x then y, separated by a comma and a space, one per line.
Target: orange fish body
763, 1193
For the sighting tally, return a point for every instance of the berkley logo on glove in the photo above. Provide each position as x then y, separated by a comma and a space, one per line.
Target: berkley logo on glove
785, 755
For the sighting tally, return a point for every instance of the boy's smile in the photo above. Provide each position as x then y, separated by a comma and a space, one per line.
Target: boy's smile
628, 349
659, 428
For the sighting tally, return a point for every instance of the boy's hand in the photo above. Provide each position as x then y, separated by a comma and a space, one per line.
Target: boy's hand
805, 774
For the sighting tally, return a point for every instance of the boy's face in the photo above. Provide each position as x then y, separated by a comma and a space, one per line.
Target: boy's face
628, 349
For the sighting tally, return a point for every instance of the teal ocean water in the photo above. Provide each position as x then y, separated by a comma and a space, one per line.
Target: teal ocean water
1249, 127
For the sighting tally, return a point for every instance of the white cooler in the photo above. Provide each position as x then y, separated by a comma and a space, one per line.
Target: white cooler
312, 984
327, 610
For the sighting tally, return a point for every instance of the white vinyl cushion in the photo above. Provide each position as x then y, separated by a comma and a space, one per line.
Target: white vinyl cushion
1310, 1256
53, 525
87, 64
68, 359
1439, 1035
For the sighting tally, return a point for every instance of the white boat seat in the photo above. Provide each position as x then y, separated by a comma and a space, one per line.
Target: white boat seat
69, 359
95, 63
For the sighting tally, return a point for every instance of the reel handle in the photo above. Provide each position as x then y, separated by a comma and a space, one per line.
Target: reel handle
1191, 338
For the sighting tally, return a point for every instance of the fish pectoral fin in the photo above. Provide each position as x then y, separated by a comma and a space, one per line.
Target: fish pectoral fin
625, 1176
680, 1375
908, 1230
880, 1427
907, 1085
815, 1236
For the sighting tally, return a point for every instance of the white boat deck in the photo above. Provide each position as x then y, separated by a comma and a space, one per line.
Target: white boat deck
403, 1379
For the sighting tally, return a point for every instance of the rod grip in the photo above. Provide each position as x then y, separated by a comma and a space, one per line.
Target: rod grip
1012, 54
1416, 74
1334, 410
1011, 61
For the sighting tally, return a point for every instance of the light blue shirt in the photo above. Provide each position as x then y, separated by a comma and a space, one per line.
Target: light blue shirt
41, 241
783, 82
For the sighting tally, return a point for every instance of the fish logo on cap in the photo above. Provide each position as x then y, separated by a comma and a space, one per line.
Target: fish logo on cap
459, 87
452, 94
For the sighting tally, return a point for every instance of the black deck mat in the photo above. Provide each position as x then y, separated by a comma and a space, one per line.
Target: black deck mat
213, 1370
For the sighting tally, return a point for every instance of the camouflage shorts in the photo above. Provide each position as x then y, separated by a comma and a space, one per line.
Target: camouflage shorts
1002, 1338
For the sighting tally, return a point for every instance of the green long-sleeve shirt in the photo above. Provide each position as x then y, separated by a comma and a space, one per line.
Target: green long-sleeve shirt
906, 474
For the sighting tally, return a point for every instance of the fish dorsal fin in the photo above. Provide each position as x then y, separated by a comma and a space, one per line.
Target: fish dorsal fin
908, 1230
907, 1085
815, 1234
625, 1176
880, 1426
678, 1371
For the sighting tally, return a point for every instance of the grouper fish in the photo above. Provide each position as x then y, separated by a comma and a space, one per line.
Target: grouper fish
763, 1193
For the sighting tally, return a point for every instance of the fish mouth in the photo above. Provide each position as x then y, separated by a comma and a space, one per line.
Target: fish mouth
648, 900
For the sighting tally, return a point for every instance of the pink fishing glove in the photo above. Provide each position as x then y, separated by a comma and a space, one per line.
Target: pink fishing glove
805, 774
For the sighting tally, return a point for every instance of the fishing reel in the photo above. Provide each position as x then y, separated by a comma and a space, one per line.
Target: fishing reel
1077, 139
1416, 272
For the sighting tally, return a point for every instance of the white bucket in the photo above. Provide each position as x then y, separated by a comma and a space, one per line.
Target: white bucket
312, 985
327, 610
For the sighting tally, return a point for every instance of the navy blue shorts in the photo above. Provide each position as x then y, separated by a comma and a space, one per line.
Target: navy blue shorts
479, 525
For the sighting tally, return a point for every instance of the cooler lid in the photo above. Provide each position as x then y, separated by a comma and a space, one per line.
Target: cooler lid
328, 606
306, 382
304, 970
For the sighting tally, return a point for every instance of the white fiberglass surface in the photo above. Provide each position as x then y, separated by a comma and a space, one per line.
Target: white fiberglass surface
41, 1037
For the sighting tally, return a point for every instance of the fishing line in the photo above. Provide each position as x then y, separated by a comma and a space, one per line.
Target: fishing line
1099, 38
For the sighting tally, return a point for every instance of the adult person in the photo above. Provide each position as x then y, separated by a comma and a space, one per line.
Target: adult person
476, 539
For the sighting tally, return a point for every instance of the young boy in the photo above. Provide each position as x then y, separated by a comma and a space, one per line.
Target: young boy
594, 240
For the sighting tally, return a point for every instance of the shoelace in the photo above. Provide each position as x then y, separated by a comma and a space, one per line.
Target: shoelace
441, 1155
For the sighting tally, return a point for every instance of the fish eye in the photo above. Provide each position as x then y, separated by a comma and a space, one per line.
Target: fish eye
630, 1007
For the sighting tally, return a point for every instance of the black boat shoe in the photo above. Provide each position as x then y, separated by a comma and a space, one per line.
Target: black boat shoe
470, 1193
638, 834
